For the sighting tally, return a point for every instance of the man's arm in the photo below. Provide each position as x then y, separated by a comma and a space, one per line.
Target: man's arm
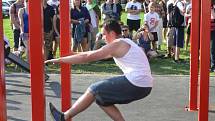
89, 56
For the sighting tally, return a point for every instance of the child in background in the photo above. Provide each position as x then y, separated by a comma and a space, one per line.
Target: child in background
151, 19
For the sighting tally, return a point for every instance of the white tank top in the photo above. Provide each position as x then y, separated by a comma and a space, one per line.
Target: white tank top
135, 65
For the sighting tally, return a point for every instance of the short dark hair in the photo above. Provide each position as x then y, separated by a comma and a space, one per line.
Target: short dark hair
112, 25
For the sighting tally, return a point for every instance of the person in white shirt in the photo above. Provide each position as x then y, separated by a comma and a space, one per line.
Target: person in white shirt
95, 15
54, 3
151, 19
135, 84
133, 8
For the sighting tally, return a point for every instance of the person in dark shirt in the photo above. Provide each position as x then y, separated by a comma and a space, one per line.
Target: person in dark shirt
48, 13
118, 8
80, 19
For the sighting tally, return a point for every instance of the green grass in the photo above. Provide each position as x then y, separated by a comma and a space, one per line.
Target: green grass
158, 66
7, 30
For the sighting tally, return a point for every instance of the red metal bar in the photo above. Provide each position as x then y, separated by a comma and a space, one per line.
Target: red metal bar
194, 53
3, 108
37, 60
65, 49
204, 59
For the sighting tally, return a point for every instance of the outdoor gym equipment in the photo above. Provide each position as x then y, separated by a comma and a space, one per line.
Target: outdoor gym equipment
200, 31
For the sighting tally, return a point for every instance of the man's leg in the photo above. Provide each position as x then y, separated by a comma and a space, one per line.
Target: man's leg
80, 105
113, 112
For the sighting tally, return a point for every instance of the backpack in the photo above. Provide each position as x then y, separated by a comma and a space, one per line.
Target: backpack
175, 17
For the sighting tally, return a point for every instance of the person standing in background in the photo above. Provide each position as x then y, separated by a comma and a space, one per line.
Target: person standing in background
14, 8
56, 34
145, 6
95, 15
118, 8
109, 11
163, 4
48, 13
188, 19
54, 3
170, 31
24, 33
80, 19
151, 20
133, 8
179, 32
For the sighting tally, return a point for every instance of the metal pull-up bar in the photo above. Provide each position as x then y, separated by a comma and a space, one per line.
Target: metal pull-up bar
65, 49
37, 60
3, 108
37, 57
200, 33
205, 30
194, 53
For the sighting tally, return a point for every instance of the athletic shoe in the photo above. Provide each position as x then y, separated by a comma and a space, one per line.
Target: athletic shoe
56, 115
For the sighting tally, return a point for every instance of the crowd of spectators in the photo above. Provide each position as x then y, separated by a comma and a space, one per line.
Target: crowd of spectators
158, 26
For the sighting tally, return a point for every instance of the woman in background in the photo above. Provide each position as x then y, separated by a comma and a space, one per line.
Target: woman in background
80, 19
23, 19
56, 25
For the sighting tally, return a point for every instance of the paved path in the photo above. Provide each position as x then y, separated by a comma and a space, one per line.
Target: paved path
166, 102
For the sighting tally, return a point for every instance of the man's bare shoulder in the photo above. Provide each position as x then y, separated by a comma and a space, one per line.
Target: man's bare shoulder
116, 43
117, 48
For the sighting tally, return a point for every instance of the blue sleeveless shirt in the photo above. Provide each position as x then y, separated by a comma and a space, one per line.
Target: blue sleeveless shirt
25, 21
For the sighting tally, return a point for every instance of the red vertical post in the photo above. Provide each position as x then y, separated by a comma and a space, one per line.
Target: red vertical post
37, 60
3, 108
194, 53
65, 49
204, 59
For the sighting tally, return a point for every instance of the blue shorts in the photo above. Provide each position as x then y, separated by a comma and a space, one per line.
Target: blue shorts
117, 90
179, 37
